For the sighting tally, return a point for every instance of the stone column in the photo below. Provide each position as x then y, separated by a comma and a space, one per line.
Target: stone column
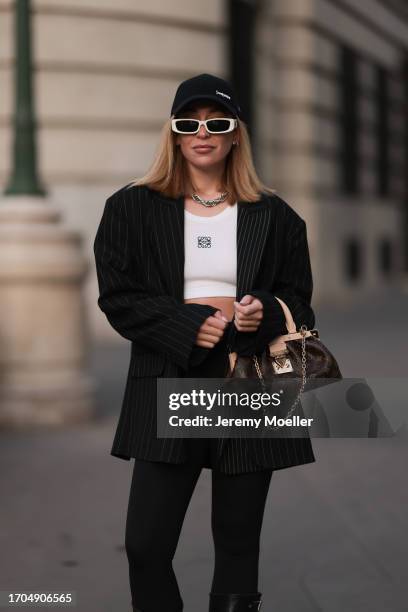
43, 331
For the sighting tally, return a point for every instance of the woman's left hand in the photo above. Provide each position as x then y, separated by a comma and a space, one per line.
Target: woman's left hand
248, 313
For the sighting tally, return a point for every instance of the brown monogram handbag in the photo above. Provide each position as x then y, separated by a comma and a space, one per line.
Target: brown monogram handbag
297, 354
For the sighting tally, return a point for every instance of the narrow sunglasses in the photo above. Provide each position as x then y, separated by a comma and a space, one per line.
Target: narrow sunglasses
220, 125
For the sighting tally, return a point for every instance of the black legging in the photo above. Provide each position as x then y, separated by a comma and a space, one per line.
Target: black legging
159, 497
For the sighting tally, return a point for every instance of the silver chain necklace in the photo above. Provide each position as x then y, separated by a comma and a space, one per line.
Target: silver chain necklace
212, 202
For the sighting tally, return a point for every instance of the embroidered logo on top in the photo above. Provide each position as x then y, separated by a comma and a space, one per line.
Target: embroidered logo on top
204, 242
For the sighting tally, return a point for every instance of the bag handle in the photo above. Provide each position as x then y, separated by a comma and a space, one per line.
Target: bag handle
290, 323
291, 327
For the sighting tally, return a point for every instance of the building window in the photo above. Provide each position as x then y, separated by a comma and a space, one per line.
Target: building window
385, 256
383, 140
241, 53
349, 121
353, 259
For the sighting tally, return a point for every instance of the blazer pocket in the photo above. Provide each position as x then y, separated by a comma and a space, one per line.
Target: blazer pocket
147, 364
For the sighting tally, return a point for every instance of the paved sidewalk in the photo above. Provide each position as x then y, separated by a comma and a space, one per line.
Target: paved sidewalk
334, 535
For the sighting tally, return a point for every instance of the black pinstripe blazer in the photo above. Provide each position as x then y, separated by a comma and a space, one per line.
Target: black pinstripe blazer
139, 255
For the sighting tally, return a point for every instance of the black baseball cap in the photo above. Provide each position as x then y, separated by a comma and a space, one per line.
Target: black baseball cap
209, 87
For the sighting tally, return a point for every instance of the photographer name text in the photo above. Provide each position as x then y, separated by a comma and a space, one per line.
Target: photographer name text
254, 422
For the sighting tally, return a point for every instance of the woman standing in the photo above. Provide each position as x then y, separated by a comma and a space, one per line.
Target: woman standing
189, 259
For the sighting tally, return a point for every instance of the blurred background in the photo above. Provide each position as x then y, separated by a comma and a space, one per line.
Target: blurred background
85, 86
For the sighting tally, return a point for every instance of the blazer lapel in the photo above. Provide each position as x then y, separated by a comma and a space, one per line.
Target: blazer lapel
253, 223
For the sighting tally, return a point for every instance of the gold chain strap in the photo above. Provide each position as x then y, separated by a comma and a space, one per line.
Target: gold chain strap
303, 330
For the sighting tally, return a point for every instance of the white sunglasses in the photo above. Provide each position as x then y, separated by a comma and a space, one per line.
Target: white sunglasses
218, 125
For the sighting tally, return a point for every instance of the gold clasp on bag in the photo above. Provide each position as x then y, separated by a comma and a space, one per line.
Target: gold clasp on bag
281, 363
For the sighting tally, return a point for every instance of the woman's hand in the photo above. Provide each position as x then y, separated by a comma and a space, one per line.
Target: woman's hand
212, 330
248, 314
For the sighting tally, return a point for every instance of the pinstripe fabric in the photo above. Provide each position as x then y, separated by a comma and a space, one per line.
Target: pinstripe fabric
139, 255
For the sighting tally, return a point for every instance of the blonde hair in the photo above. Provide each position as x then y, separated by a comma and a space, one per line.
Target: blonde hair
168, 171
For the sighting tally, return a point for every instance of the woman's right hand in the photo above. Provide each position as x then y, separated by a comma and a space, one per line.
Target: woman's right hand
212, 330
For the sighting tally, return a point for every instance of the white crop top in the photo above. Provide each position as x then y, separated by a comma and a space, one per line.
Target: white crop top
210, 267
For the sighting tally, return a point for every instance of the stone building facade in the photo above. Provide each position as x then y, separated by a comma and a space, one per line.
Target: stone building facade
324, 84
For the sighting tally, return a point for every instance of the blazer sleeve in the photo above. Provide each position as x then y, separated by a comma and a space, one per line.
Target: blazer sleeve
293, 285
156, 322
